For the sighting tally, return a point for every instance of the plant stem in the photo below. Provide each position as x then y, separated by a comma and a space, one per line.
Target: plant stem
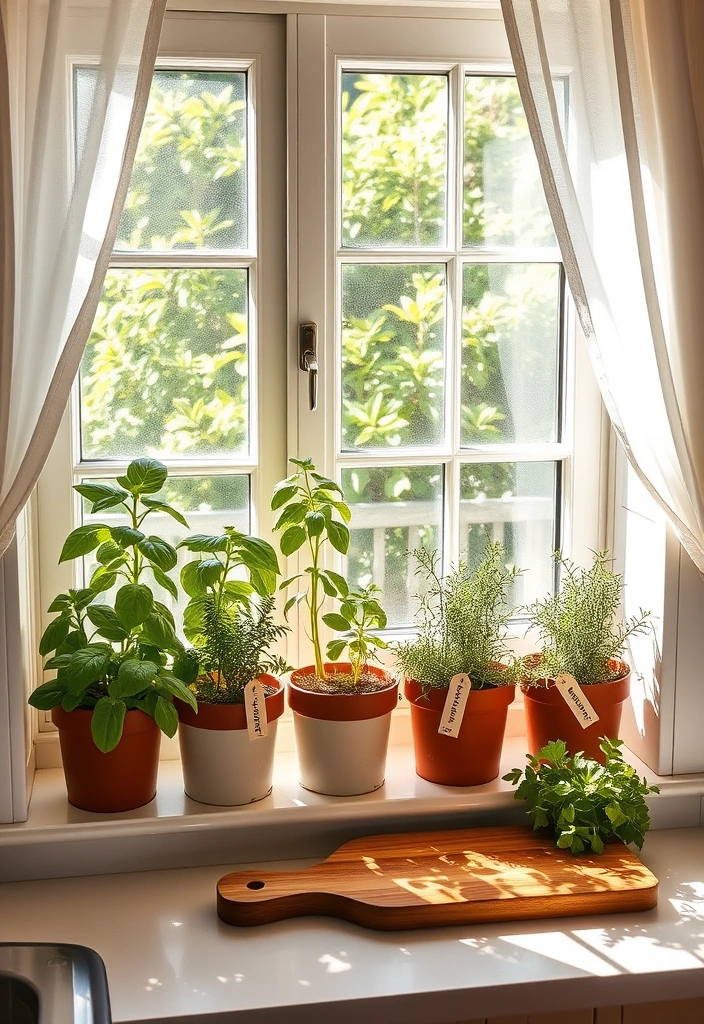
314, 603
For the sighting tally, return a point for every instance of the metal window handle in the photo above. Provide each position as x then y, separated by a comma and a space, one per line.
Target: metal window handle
308, 359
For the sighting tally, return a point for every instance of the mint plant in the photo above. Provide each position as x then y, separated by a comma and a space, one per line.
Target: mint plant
111, 658
585, 804
578, 625
462, 623
313, 512
359, 617
230, 622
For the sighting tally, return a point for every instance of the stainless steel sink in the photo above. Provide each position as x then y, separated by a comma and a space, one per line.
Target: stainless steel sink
41, 983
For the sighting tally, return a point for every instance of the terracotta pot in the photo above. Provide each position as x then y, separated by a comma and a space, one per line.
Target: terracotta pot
548, 717
473, 756
221, 765
121, 780
341, 738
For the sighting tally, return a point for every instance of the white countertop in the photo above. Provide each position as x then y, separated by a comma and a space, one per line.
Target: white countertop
168, 956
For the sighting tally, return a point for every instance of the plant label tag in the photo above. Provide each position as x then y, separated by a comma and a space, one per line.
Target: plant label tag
575, 699
455, 704
255, 710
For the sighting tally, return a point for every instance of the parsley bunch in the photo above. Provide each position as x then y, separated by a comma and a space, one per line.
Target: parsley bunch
584, 803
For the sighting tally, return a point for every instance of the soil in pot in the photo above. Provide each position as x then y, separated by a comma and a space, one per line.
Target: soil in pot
549, 718
472, 757
120, 780
222, 766
342, 730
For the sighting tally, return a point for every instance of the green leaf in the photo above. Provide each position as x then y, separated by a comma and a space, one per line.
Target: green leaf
107, 622
109, 552
87, 665
327, 585
335, 621
71, 701
161, 506
186, 666
108, 502
205, 542
96, 492
83, 540
326, 483
125, 536
191, 580
144, 476
210, 570
61, 603
54, 634
292, 539
48, 695
133, 603
132, 677
258, 554
615, 814
335, 649
237, 590
179, 689
339, 537
292, 514
107, 722
283, 492
159, 552
102, 580
161, 633
292, 601
166, 716
165, 581
339, 582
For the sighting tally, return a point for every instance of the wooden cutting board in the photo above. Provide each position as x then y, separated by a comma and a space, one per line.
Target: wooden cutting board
429, 879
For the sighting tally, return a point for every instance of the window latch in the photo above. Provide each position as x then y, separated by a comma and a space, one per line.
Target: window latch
308, 359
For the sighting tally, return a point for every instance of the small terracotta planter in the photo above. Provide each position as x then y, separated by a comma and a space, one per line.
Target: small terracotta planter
121, 780
221, 765
548, 717
471, 758
341, 738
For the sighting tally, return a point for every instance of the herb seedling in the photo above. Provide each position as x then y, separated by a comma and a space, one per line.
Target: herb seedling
113, 658
578, 626
230, 622
313, 511
462, 623
585, 804
359, 616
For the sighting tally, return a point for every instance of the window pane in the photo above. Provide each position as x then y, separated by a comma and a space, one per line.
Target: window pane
394, 510
394, 159
393, 338
510, 352
504, 202
209, 503
189, 182
514, 503
165, 367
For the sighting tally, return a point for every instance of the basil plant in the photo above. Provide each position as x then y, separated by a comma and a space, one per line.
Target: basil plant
113, 657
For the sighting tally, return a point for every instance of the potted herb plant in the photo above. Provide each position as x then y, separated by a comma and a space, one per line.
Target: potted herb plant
461, 628
341, 710
581, 637
230, 623
114, 685
583, 802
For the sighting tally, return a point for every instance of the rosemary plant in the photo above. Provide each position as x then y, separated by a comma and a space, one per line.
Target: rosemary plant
461, 623
579, 629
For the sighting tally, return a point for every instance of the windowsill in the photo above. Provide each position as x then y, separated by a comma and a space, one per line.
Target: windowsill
59, 840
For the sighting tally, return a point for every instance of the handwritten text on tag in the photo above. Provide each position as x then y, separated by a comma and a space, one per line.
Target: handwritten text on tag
255, 710
575, 700
455, 703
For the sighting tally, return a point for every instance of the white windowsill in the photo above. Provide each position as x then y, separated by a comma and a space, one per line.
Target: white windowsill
59, 840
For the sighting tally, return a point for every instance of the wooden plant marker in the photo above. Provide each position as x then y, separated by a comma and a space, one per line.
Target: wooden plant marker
431, 879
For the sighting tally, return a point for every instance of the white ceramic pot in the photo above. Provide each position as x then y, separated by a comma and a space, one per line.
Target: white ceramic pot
341, 739
221, 764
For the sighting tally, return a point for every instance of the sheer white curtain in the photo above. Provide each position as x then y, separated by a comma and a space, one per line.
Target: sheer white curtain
62, 187
623, 175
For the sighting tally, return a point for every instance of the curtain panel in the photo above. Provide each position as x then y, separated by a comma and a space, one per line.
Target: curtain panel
622, 168
62, 187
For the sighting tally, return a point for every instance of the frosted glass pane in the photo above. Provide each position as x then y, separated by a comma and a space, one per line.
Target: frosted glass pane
165, 368
394, 159
393, 340
513, 502
189, 182
510, 352
504, 202
394, 510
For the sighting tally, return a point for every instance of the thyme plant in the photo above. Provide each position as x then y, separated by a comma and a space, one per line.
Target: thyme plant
230, 622
579, 629
462, 623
